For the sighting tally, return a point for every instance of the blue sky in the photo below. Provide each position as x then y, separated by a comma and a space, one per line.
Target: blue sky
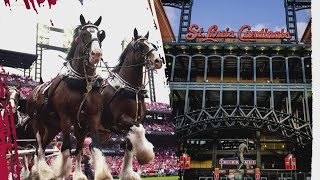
235, 13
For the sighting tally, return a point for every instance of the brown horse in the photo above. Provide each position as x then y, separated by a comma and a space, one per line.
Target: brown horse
124, 107
72, 98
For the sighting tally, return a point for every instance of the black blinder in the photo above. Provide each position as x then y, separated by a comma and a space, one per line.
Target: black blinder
101, 35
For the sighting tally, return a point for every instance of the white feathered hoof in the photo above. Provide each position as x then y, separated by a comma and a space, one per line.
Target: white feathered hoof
144, 156
45, 171
142, 147
35, 169
79, 176
130, 175
103, 176
24, 174
62, 164
101, 168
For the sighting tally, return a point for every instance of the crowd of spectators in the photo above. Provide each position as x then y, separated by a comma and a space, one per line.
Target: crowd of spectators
165, 163
164, 126
158, 106
25, 91
27, 83
21, 79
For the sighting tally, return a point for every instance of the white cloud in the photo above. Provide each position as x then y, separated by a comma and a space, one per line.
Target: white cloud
258, 27
277, 28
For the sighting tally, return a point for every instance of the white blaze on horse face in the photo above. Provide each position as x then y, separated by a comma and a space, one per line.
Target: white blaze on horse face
96, 52
154, 57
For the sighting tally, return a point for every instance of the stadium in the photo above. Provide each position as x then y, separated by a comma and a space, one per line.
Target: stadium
228, 87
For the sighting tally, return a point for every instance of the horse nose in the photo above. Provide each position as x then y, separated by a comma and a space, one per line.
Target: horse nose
95, 56
97, 53
157, 63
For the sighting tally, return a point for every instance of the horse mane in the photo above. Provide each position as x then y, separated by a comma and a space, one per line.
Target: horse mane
73, 44
122, 58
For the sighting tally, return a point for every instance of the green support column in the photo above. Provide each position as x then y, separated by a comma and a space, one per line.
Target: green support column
238, 80
172, 68
258, 149
214, 154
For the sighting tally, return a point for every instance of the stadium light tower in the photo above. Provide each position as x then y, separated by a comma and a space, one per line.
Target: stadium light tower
50, 38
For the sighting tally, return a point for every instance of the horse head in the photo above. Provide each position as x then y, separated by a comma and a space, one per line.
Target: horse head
86, 46
148, 52
138, 53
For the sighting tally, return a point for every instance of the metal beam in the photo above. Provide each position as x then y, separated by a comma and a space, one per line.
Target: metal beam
255, 118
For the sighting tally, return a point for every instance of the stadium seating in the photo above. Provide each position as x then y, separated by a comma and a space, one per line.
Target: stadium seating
158, 106
161, 127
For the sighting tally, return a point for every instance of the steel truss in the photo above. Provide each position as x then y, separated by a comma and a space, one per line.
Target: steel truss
291, 6
249, 117
185, 16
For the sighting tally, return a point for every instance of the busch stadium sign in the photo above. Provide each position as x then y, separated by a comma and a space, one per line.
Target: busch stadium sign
244, 34
236, 162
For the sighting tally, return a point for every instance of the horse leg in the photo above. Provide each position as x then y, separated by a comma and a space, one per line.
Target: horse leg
80, 135
45, 172
127, 172
142, 148
101, 168
62, 163
34, 175
24, 174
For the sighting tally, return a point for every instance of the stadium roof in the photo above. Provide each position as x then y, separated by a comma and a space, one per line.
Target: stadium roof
16, 59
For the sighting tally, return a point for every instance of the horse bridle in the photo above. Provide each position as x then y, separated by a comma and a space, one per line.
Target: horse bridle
86, 46
147, 61
126, 85
86, 51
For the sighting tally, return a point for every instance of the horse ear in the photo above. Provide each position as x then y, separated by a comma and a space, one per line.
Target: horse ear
82, 20
97, 23
41, 80
135, 34
147, 35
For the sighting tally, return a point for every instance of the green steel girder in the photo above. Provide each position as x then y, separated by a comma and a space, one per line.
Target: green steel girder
256, 118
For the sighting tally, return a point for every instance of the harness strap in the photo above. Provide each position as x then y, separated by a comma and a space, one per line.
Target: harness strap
50, 93
48, 100
138, 111
114, 95
89, 88
80, 107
